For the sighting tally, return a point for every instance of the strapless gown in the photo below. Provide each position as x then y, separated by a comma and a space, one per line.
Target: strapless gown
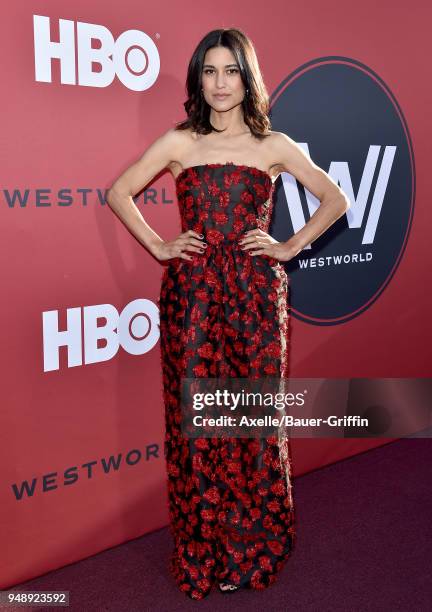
225, 313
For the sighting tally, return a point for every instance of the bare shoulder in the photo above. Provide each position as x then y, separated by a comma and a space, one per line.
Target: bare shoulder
278, 143
285, 152
162, 153
277, 138
288, 156
181, 141
173, 139
274, 144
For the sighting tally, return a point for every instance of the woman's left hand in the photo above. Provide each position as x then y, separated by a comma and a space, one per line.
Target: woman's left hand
261, 243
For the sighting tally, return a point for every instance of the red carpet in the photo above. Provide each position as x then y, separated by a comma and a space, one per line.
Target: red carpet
364, 543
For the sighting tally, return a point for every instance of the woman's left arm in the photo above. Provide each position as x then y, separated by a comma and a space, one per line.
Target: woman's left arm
290, 157
333, 201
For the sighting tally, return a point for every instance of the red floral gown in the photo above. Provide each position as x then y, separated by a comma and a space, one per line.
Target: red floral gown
225, 314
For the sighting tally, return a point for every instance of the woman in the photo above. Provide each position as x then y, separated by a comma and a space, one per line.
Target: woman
223, 310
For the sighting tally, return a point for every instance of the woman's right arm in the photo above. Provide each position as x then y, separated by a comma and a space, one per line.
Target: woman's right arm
119, 197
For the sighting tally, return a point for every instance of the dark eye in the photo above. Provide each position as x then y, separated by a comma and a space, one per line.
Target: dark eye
208, 70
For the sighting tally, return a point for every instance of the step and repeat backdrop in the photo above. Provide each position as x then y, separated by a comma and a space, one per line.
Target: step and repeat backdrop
87, 88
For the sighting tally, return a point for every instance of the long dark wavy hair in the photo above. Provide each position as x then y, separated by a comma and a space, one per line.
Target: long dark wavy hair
256, 101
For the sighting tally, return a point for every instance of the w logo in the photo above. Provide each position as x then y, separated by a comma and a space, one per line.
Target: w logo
355, 131
339, 172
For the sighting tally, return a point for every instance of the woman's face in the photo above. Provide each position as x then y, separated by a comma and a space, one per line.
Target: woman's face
221, 81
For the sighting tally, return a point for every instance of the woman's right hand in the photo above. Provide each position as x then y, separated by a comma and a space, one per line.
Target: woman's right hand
187, 241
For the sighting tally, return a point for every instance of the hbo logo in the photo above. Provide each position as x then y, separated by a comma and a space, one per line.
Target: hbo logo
136, 329
133, 57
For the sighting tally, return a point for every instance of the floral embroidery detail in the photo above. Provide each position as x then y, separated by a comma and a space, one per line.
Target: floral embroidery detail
225, 313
